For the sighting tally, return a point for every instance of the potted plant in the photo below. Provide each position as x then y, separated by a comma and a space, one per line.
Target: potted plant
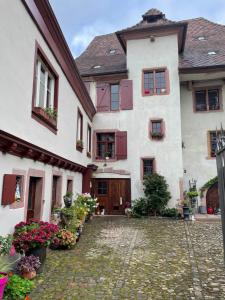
64, 239
4, 268
28, 265
34, 237
18, 288
156, 134
80, 145
186, 210
68, 199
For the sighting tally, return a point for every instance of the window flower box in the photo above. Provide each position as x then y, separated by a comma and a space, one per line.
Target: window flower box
158, 135
80, 145
45, 116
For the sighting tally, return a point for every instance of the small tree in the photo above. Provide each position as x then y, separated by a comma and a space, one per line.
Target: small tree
156, 192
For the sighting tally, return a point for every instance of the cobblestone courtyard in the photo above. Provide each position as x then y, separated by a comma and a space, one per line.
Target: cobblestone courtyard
118, 258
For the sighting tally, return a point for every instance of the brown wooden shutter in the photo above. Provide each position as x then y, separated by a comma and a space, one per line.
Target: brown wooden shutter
103, 96
126, 94
9, 189
121, 145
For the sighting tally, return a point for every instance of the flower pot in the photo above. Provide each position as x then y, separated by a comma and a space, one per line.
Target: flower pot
67, 201
3, 282
210, 210
41, 254
29, 275
186, 213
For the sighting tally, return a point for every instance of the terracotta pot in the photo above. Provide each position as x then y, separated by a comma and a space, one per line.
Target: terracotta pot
29, 275
3, 282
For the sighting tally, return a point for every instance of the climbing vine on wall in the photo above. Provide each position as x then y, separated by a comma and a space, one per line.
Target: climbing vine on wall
207, 185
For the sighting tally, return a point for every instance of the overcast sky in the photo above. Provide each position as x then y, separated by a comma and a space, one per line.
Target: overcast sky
82, 20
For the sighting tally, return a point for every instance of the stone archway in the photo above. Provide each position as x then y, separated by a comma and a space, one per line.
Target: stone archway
212, 197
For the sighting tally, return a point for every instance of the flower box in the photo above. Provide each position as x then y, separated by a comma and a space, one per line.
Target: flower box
79, 145
43, 115
156, 135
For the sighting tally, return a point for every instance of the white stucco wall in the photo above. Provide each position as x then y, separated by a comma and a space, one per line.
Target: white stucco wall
194, 134
10, 217
142, 54
17, 40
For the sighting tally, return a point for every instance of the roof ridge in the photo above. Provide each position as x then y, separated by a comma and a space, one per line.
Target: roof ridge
202, 18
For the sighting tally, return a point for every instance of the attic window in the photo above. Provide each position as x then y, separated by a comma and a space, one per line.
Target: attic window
112, 51
201, 38
96, 67
211, 53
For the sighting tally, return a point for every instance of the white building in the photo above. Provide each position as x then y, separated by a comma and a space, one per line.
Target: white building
161, 85
38, 155
158, 90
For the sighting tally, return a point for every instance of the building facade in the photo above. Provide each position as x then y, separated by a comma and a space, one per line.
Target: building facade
161, 84
145, 99
45, 110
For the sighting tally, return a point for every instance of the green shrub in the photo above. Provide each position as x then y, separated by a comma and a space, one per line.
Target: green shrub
17, 288
5, 244
170, 213
156, 192
139, 207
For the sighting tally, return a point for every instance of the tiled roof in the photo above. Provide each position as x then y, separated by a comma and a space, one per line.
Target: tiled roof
203, 37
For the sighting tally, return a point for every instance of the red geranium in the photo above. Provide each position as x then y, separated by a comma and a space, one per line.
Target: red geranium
33, 234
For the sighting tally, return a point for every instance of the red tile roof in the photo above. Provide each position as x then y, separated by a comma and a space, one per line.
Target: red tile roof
195, 52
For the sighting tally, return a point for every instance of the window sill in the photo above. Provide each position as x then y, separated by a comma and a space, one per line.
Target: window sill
210, 157
103, 160
40, 115
154, 94
88, 154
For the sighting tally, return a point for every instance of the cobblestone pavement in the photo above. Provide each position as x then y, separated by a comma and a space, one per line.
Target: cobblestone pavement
118, 258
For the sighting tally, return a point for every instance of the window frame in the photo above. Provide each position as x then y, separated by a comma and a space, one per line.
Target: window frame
206, 89
142, 165
150, 129
79, 134
89, 140
110, 86
107, 187
210, 144
98, 158
38, 113
154, 70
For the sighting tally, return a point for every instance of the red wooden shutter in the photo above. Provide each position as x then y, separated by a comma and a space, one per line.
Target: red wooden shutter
9, 189
103, 97
126, 94
121, 145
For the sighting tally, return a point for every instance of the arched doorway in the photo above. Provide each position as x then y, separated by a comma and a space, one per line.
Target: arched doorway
212, 197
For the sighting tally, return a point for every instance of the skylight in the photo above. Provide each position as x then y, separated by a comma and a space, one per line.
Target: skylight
211, 53
112, 51
202, 38
96, 67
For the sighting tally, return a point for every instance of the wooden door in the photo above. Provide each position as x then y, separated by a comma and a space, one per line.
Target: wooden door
112, 194
54, 192
31, 198
212, 197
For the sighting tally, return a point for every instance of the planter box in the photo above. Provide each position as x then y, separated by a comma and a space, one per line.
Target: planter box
41, 113
79, 147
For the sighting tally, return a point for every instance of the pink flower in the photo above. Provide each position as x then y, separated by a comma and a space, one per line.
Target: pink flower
12, 251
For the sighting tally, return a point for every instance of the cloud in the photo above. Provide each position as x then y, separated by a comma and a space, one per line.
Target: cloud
82, 38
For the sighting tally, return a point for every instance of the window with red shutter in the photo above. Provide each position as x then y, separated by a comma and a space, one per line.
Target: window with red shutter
103, 97
126, 94
121, 145
9, 189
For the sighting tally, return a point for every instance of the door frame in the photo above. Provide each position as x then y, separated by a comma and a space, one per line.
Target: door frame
93, 180
40, 192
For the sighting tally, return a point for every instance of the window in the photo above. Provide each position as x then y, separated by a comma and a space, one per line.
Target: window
79, 131
69, 186
45, 95
114, 97
89, 140
102, 188
212, 144
147, 166
155, 82
207, 99
105, 145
